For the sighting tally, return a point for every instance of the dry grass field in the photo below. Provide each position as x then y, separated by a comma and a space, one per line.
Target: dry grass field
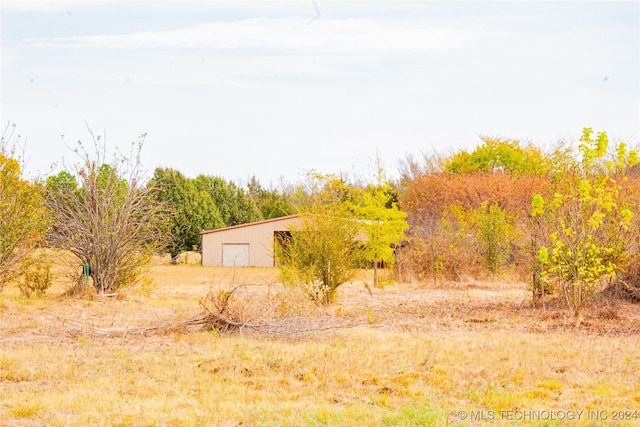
402, 355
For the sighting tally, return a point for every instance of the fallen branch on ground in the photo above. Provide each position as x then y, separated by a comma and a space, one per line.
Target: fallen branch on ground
228, 312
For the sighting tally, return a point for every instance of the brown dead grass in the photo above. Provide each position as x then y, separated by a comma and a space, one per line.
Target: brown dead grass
405, 354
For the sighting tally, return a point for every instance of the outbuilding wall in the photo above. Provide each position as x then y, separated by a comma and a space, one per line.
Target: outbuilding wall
259, 236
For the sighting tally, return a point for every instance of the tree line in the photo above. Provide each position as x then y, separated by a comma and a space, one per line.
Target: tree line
565, 220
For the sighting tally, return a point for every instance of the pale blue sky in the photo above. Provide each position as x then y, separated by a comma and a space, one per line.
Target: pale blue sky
237, 88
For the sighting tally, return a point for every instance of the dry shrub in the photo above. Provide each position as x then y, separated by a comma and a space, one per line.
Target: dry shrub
441, 249
103, 212
37, 277
263, 310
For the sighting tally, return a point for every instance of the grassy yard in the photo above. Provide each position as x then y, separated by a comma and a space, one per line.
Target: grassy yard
408, 354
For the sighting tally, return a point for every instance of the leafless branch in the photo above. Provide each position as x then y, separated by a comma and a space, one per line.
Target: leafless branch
107, 219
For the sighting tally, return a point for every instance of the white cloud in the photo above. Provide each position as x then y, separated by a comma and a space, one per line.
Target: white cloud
291, 34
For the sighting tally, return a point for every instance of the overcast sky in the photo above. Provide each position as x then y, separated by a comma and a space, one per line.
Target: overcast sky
274, 89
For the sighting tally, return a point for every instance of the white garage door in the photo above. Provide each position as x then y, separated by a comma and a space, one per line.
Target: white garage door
235, 254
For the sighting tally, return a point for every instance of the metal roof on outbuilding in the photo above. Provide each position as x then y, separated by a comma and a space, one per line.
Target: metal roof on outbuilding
251, 224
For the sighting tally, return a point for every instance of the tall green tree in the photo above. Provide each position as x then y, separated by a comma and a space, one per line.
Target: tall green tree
235, 205
270, 202
192, 209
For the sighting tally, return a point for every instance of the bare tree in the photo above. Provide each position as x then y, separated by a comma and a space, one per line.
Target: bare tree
105, 215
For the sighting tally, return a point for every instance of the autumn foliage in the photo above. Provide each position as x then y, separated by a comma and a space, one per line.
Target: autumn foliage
445, 212
590, 224
23, 218
561, 220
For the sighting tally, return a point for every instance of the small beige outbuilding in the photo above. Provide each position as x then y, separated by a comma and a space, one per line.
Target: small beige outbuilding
245, 245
